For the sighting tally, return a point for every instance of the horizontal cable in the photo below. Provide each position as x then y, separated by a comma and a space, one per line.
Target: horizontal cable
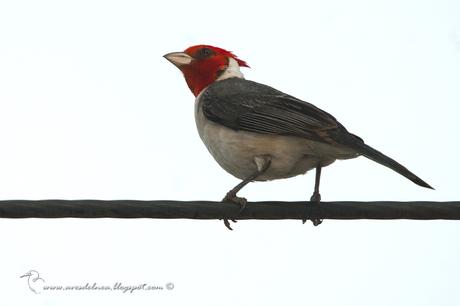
269, 210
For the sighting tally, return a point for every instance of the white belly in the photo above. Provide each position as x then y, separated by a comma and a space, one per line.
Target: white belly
290, 156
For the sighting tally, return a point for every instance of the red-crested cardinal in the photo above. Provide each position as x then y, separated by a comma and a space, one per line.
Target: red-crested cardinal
257, 133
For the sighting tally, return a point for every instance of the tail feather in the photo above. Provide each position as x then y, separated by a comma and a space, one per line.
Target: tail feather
382, 159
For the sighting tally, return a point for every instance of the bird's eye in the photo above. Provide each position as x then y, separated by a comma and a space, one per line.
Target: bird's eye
204, 53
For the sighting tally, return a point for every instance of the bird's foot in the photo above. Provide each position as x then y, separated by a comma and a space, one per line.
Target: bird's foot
231, 197
316, 197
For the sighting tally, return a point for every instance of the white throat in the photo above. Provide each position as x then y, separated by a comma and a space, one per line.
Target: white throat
232, 71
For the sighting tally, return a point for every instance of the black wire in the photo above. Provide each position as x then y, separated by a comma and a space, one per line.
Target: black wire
216, 210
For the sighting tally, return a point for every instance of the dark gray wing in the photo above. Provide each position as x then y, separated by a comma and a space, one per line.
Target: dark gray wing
249, 106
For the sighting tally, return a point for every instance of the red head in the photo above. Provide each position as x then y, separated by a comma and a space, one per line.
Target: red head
203, 64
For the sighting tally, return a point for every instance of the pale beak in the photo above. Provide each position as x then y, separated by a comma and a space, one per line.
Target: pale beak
178, 58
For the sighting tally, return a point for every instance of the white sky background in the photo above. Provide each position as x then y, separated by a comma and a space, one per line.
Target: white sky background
89, 108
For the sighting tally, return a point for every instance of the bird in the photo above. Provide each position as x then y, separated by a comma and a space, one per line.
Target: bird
258, 133
32, 280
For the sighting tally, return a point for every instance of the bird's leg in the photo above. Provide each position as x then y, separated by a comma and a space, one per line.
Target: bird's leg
263, 163
316, 197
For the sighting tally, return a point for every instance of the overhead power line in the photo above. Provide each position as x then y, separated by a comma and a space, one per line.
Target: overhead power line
268, 210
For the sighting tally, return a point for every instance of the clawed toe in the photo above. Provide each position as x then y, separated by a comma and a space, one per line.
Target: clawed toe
227, 223
317, 222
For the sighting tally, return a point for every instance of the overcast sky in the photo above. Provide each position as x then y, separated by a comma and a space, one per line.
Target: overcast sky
89, 108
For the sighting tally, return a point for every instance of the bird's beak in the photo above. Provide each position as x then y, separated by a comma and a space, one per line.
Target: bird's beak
178, 58
27, 274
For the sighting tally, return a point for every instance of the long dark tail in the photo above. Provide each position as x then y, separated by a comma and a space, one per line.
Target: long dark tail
382, 159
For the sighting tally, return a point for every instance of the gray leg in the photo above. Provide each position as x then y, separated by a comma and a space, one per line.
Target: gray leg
316, 197
263, 163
